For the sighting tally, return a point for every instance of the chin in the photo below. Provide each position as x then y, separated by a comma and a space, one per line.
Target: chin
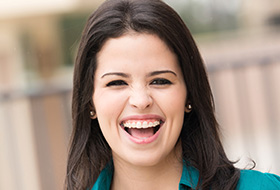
145, 160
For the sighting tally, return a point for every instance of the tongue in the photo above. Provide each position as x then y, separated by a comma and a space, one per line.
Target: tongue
141, 133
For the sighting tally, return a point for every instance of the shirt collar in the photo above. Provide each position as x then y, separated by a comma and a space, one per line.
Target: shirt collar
104, 179
189, 178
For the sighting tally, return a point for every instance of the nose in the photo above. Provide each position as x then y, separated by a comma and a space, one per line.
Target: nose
140, 98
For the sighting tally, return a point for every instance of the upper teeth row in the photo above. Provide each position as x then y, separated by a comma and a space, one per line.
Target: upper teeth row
140, 125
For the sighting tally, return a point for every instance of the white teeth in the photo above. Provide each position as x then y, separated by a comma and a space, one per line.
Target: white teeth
145, 124
140, 125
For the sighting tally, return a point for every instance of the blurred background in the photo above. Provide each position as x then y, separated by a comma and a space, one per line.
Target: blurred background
239, 41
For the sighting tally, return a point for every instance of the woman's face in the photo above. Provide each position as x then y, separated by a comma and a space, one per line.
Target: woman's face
139, 98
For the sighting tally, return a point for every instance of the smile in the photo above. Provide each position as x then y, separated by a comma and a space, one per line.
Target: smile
142, 131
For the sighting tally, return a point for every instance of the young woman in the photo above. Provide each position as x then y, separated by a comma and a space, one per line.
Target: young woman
143, 111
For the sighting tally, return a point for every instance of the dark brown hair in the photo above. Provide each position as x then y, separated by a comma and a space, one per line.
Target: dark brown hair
202, 149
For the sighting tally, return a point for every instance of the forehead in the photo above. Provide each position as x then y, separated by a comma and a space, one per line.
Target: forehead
136, 49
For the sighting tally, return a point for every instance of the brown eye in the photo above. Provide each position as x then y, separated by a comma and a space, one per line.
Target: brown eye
160, 81
116, 83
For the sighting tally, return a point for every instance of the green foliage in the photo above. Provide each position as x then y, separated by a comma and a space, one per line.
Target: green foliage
71, 30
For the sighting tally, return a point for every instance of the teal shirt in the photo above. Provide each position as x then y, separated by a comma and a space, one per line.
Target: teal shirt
249, 179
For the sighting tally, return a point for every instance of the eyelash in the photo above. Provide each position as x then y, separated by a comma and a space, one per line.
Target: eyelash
158, 81
116, 83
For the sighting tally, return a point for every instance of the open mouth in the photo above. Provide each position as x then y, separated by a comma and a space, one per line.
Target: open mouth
141, 129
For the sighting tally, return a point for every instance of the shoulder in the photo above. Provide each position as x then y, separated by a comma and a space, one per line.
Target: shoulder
254, 180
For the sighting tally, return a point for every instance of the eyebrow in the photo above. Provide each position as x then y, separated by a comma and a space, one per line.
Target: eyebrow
149, 75
116, 73
161, 72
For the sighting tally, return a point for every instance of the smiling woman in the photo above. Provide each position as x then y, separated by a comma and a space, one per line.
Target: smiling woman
141, 78
143, 111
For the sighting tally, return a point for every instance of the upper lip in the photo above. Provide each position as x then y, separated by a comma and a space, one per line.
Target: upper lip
142, 117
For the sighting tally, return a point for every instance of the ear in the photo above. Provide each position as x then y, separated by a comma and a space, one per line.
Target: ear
187, 110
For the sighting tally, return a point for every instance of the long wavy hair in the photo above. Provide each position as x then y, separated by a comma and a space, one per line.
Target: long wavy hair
201, 145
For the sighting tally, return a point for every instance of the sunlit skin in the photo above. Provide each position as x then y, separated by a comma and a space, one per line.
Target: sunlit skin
138, 78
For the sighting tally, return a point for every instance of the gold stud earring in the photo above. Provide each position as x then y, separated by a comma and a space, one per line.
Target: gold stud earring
92, 114
188, 108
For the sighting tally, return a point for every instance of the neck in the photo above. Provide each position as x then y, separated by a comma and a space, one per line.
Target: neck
164, 175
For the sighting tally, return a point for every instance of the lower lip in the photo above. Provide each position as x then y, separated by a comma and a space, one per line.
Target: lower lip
143, 141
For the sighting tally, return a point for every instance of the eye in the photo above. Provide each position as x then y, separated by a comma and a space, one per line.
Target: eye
116, 83
160, 81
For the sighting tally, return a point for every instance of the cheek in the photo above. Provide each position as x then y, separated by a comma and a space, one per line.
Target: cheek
172, 101
108, 105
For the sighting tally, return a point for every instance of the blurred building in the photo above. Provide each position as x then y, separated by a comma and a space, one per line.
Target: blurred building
38, 41
35, 90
